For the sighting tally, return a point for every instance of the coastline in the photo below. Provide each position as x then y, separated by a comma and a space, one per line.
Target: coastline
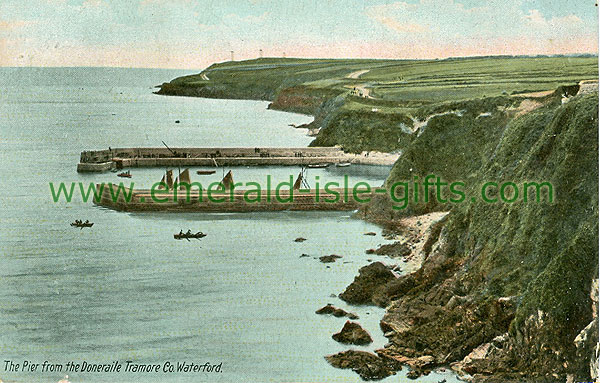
473, 305
413, 231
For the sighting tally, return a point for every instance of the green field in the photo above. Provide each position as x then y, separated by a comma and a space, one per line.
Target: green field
395, 93
413, 81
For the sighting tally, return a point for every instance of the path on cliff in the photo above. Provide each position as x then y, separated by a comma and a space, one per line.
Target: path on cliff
361, 89
204, 77
357, 74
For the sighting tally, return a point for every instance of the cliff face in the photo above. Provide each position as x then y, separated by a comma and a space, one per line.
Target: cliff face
505, 294
216, 90
301, 99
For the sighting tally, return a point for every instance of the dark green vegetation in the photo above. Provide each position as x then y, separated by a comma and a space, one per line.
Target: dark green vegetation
395, 91
511, 279
517, 276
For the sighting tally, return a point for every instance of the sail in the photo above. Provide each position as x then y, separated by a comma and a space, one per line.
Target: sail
298, 182
227, 181
162, 184
184, 178
169, 179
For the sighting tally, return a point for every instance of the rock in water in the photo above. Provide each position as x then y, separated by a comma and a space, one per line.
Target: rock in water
299, 239
353, 333
371, 233
395, 249
368, 366
369, 286
329, 258
335, 311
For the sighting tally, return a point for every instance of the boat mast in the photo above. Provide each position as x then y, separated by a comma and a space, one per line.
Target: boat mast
178, 168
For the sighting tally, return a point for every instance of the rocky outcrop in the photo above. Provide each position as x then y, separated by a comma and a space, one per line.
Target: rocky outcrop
394, 250
335, 311
586, 342
369, 286
329, 258
368, 366
352, 333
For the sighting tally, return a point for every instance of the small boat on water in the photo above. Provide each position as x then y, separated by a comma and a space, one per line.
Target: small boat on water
343, 164
81, 225
126, 174
317, 166
205, 172
189, 235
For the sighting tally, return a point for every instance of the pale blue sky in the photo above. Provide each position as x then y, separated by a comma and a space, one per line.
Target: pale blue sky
192, 34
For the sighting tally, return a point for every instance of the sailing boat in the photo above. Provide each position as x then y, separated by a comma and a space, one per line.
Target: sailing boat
227, 181
168, 182
184, 179
169, 179
298, 182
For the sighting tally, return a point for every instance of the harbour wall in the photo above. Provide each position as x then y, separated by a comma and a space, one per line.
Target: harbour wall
200, 201
118, 158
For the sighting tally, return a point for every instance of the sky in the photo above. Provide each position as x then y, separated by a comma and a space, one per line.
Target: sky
192, 34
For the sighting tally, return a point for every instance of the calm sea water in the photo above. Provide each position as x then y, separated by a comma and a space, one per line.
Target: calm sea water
125, 290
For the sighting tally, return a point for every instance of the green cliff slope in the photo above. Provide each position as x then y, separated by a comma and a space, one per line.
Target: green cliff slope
515, 278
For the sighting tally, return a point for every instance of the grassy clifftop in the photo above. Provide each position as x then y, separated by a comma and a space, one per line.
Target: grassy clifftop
374, 104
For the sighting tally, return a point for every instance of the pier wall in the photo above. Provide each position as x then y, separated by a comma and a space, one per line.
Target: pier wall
103, 160
307, 200
108, 155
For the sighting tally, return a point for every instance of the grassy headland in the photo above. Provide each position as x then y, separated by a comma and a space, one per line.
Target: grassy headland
395, 93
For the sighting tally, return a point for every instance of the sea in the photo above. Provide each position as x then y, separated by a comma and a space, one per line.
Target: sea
241, 300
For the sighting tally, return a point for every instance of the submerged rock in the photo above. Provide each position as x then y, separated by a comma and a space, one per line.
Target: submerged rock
329, 258
369, 286
353, 333
368, 366
335, 311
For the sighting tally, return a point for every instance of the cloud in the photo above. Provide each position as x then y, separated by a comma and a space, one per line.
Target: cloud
430, 23
535, 19
401, 27
381, 14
